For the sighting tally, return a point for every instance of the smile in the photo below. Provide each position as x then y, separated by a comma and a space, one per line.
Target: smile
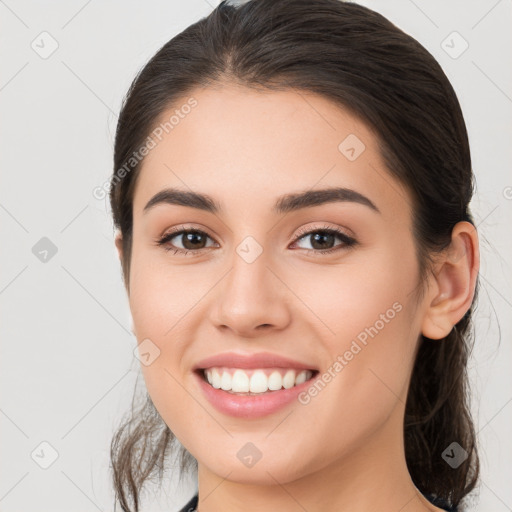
265, 400
255, 381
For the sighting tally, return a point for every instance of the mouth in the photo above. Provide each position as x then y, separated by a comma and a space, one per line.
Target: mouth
254, 381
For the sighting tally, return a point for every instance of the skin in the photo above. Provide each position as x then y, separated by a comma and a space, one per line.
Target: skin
342, 451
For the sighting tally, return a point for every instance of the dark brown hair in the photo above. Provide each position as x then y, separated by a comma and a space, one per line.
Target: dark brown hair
358, 59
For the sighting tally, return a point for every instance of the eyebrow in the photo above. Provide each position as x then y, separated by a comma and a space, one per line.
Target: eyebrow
284, 204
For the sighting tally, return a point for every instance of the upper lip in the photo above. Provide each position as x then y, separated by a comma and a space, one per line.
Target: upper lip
255, 360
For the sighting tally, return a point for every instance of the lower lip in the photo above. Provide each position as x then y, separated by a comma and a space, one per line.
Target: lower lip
250, 406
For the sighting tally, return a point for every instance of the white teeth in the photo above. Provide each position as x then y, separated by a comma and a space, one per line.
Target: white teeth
255, 381
240, 382
258, 382
225, 381
275, 381
215, 378
289, 379
301, 377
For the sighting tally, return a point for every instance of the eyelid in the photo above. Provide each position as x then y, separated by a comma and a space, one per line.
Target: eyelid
301, 232
168, 234
349, 241
185, 227
305, 230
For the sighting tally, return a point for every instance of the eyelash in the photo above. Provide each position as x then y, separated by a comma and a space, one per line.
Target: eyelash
347, 240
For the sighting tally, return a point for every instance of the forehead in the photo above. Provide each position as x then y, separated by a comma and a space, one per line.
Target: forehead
241, 145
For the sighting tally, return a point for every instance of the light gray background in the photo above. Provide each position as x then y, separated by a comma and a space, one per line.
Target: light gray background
67, 365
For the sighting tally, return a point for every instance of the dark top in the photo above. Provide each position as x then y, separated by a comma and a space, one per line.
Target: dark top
191, 505
438, 502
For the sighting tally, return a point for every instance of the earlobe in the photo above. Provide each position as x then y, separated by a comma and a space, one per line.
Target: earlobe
119, 245
455, 281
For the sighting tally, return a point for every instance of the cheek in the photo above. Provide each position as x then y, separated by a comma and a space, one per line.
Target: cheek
346, 300
161, 294
366, 323
160, 299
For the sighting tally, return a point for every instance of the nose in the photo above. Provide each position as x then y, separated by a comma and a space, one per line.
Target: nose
251, 299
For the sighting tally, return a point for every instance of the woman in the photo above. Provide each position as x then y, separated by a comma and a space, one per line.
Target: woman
291, 188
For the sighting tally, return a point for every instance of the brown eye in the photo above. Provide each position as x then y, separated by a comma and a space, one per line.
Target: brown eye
193, 240
322, 240
190, 240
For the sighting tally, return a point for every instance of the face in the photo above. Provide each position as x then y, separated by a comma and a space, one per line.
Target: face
329, 283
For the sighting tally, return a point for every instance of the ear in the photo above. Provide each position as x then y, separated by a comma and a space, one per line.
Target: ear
454, 281
119, 245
